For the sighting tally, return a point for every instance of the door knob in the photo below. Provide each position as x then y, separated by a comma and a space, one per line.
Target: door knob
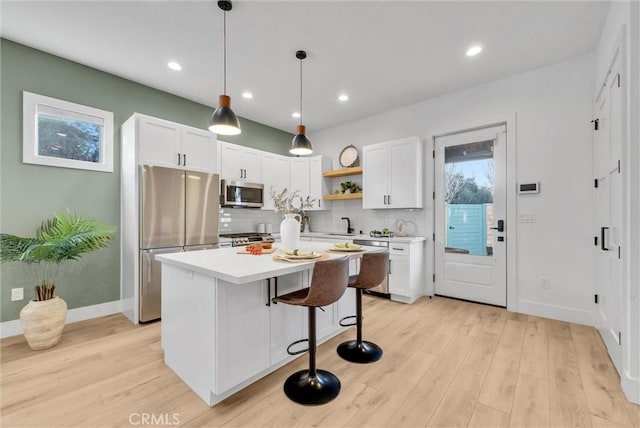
500, 227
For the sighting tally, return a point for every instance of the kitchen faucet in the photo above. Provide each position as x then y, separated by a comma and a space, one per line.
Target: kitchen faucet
349, 228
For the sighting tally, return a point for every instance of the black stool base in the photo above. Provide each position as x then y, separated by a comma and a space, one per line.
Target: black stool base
365, 352
321, 389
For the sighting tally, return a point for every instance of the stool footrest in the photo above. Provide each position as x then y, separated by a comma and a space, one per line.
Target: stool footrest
342, 321
302, 351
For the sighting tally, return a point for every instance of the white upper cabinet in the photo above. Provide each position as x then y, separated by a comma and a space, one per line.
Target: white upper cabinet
318, 184
173, 145
275, 173
392, 174
300, 176
307, 179
239, 163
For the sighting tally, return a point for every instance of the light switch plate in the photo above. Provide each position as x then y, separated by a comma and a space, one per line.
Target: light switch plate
17, 294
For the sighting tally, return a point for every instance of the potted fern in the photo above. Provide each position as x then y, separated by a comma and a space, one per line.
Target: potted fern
64, 237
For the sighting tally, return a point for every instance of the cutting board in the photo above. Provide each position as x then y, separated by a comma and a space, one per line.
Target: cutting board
264, 250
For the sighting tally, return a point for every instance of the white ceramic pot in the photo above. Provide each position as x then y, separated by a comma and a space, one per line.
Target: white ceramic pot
43, 322
290, 231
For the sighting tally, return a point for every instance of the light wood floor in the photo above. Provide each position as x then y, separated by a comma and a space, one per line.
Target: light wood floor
446, 363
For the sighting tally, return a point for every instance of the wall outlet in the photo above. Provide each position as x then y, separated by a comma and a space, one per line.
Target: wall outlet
527, 218
17, 294
544, 282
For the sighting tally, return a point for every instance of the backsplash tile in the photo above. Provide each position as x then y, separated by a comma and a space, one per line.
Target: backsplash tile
367, 220
237, 220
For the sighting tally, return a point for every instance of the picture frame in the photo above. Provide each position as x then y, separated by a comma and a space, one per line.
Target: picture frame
65, 134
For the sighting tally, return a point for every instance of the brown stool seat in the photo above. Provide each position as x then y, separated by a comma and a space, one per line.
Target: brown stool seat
373, 270
328, 283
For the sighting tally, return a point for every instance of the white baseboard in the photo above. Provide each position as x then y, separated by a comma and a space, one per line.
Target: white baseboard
630, 387
561, 313
14, 328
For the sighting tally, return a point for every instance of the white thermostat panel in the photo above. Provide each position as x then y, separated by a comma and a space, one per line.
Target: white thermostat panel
528, 188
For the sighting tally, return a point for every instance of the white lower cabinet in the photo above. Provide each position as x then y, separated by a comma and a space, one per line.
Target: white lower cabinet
288, 322
407, 280
399, 283
251, 333
243, 332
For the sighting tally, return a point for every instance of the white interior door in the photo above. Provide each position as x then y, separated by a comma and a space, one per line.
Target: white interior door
607, 155
470, 214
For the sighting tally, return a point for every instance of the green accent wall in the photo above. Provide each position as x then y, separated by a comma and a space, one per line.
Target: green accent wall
31, 193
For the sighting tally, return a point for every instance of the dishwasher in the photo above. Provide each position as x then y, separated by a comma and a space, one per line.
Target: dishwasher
381, 290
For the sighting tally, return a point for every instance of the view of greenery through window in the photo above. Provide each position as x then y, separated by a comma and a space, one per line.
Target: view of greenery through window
469, 182
68, 138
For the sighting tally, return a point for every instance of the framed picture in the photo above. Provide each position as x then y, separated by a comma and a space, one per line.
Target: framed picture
65, 134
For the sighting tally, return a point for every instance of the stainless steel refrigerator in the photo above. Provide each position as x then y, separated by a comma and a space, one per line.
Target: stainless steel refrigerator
178, 212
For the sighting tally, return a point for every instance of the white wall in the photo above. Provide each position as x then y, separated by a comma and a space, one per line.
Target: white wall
624, 19
553, 137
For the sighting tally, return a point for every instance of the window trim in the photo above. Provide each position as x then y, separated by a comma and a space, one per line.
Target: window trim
30, 103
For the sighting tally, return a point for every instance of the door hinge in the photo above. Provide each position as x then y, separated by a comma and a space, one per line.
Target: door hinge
618, 166
595, 299
618, 80
595, 183
434, 277
595, 241
619, 338
618, 252
595, 124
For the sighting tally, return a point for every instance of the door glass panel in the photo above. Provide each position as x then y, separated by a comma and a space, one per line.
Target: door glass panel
469, 198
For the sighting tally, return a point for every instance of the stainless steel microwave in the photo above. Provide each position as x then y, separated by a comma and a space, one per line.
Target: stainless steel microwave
241, 194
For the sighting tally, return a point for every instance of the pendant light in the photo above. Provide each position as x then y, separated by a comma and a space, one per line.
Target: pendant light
224, 120
301, 144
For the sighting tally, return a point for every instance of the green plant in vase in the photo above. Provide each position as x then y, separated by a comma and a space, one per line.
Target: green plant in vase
64, 237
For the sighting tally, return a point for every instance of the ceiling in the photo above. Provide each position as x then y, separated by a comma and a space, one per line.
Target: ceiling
383, 54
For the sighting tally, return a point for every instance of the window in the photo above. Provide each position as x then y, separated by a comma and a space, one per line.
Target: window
64, 134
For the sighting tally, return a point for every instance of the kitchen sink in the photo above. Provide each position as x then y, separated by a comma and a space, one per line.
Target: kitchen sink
341, 234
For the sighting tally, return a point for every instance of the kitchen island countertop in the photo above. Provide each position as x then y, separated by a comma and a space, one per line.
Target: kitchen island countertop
228, 265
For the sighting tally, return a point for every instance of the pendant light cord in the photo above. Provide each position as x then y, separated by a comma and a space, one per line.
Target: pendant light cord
224, 50
301, 92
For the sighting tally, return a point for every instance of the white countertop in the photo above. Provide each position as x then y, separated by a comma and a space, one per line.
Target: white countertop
228, 265
333, 235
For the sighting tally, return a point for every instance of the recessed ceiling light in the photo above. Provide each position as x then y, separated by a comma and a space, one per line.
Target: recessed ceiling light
295, 114
474, 50
247, 95
343, 97
174, 66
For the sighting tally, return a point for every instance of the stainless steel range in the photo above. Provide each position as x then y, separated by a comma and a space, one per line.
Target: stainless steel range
240, 239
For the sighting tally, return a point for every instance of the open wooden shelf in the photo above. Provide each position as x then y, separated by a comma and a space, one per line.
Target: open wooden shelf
344, 172
342, 196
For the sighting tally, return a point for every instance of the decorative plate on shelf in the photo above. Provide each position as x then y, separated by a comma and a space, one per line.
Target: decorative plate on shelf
349, 156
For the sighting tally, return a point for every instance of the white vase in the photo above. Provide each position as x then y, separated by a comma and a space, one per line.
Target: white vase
43, 322
290, 231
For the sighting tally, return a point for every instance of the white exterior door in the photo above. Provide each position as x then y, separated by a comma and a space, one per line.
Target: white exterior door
470, 213
607, 155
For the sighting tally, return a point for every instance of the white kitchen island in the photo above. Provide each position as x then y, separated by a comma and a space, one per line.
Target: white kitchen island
220, 331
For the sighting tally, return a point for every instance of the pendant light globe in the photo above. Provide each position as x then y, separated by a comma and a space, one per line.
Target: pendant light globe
300, 145
223, 120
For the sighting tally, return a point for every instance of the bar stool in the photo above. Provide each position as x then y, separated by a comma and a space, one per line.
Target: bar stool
373, 270
328, 284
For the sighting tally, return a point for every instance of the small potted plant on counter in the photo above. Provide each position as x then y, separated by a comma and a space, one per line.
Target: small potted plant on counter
64, 237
